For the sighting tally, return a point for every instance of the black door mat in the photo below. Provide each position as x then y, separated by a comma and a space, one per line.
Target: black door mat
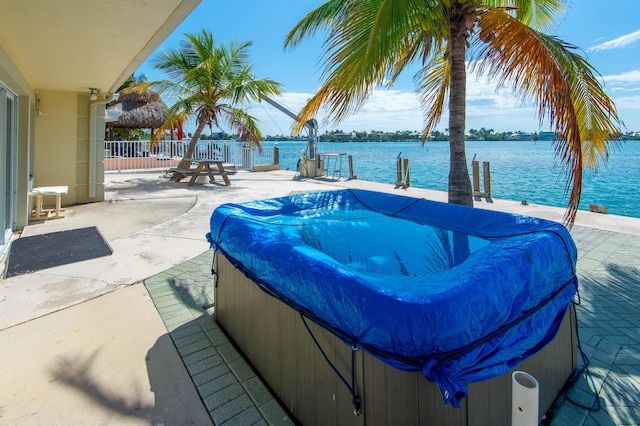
30, 254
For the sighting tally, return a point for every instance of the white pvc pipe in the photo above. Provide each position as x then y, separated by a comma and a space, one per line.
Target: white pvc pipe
93, 142
524, 399
93, 134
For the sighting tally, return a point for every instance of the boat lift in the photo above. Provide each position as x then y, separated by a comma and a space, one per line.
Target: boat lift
310, 163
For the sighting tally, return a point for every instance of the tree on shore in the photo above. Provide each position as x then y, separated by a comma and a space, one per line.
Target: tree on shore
209, 82
370, 42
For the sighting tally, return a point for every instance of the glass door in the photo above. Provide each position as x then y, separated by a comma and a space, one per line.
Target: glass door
8, 161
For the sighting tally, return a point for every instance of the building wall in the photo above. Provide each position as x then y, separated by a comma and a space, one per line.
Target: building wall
63, 146
55, 148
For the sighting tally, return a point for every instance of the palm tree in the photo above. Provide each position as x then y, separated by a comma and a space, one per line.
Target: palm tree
170, 129
209, 81
370, 42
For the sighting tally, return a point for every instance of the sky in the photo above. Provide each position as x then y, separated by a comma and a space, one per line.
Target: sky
609, 37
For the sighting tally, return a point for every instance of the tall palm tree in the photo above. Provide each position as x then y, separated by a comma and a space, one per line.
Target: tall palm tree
209, 81
370, 42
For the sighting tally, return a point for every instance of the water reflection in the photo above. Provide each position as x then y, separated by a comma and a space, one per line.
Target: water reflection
370, 242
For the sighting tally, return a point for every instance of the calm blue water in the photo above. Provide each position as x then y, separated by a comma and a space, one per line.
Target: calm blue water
519, 170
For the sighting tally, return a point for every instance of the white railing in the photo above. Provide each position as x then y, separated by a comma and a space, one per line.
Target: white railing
131, 156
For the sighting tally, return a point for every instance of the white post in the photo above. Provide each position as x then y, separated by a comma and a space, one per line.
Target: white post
524, 399
93, 140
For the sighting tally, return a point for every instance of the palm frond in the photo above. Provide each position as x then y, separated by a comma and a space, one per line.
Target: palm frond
173, 120
366, 45
240, 121
561, 83
320, 18
434, 80
137, 87
539, 14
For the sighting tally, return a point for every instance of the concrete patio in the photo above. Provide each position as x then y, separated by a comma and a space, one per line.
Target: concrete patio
125, 338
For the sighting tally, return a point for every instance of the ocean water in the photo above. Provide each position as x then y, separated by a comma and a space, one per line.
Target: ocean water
519, 169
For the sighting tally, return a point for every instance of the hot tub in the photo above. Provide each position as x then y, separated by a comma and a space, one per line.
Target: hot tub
459, 295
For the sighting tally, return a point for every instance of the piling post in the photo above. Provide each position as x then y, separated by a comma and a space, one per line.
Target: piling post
407, 177
475, 172
350, 160
487, 178
399, 171
486, 171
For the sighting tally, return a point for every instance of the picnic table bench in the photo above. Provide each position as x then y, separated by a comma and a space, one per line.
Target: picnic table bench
203, 168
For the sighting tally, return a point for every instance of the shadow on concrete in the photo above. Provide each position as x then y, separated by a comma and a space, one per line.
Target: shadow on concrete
176, 402
77, 372
140, 188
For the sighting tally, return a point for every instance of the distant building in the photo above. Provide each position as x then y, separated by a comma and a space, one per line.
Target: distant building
547, 136
343, 136
376, 135
521, 136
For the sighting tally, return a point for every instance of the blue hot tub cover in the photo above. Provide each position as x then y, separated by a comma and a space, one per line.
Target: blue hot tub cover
458, 293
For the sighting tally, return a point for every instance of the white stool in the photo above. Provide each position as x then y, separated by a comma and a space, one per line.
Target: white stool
38, 212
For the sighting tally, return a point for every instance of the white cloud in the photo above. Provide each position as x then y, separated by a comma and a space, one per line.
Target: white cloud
624, 103
391, 110
386, 110
391, 100
617, 43
629, 111
623, 88
483, 89
632, 76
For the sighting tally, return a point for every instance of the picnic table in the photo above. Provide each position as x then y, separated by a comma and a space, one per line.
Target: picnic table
203, 168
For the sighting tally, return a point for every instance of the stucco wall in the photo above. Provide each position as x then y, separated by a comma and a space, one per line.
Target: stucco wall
63, 146
55, 142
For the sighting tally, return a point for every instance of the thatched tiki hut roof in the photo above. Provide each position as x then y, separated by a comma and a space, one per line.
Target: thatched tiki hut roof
143, 110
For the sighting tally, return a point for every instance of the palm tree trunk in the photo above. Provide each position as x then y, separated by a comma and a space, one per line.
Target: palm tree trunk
459, 182
188, 154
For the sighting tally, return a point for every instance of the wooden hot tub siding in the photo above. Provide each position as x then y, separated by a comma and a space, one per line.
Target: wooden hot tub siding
274, 339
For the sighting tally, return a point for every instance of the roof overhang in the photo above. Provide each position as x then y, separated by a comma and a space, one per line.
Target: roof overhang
74, 45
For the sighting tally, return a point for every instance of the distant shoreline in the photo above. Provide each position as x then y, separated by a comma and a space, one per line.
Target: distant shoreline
428, 141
